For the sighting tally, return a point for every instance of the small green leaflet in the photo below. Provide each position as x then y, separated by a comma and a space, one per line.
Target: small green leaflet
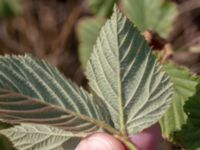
40, 137
133, 90
125, 74
184, 84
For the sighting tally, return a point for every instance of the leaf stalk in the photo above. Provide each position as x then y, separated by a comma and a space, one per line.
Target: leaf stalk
126, 142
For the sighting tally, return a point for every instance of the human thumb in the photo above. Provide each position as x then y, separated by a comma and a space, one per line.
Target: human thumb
100, 141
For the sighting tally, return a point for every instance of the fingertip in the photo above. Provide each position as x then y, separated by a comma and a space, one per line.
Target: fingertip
100, 141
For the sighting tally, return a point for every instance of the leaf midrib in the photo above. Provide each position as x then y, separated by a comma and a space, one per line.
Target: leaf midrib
121, 111
99, 123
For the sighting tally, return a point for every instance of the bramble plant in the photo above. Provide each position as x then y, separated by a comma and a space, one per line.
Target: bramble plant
134, 93
156, 15
180, 124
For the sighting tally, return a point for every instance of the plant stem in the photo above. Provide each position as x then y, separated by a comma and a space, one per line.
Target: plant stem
127, 142
130, 145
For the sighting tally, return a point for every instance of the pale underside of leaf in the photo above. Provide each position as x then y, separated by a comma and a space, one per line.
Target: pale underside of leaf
33, 91
126, 76
41, 137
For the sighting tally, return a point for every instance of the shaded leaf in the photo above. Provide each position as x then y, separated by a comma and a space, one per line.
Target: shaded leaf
10, 8
88, 30
40, 137
126, 76
102, 7
189, 136
157, 15
184, 84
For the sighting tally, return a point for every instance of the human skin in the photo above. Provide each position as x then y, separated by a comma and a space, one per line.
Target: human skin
100, 141
149, 139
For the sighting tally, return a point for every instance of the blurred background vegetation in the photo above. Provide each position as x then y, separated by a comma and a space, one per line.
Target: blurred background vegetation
64, 31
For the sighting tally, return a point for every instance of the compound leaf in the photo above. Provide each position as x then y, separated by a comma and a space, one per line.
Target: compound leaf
126, 76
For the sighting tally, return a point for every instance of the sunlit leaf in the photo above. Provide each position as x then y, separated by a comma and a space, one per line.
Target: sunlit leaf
184, 84
126, 76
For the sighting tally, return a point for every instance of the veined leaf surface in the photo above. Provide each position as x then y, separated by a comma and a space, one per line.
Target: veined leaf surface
41, 137
184, 84
189, 136
126, 76
33, 91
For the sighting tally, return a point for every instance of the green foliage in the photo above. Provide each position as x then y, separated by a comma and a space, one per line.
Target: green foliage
122, 71
156, 15
40, 137
146, 14
184, 84
88, 30
102, 7
189, 136
47, 98
9, 8
39, 87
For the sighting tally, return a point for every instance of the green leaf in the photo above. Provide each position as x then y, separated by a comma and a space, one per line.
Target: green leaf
88, 30
156, 15
126, 76
10, 8
189, 136
40, 137
47, 98
102, 7
184, 84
